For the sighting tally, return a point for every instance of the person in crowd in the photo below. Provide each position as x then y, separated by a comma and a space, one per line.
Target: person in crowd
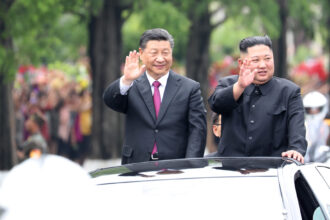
54, 96
165, 114
53, 119
18, 98
83, 126
316, 109
65, 126
262, 115
43, 106
216, 127
35, 145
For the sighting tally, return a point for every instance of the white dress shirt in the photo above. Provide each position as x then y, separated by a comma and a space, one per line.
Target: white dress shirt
163, 80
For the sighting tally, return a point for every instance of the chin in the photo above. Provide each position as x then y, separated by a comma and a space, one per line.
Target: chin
161, 72
262, 81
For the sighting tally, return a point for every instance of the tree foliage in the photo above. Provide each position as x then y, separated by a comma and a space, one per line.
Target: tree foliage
301, 16
27, 35
225, 39
324, 22
46, 31
156, 14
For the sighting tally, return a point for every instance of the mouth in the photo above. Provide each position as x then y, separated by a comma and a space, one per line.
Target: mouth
159, 66
262, 72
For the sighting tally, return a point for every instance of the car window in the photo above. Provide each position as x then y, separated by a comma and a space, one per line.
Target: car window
309, 206
325, 173
318, 214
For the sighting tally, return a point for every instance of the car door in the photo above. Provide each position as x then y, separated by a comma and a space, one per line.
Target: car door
312, 184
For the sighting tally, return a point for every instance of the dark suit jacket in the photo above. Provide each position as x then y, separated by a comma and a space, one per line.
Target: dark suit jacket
263, 126
179, 130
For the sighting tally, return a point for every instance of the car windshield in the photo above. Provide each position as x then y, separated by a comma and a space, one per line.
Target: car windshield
221, 163
231, 196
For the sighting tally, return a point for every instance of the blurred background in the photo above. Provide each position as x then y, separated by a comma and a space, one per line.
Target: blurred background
58, 56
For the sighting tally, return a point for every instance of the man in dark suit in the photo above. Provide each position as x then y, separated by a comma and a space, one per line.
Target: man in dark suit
262, 115
165, 114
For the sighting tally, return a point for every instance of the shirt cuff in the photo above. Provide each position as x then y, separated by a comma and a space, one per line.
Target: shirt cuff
124, 88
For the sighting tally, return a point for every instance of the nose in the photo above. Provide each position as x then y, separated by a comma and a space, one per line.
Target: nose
159, 58
262, 64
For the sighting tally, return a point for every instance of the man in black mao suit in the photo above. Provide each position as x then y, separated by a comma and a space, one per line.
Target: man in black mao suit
262, 115
178, 128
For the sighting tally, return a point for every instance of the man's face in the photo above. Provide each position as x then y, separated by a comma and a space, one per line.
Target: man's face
217, 128
29, 124
261, 58
157, 56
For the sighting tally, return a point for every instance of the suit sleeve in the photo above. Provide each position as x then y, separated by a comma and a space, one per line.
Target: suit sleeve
222, 100
297, 131
113, 99
197, 124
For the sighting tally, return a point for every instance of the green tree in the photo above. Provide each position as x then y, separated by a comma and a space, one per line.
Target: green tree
279, 44
158, 14
7, 68
225, 39
205, 16
28, 34
105, 51
149, 14
296, 16
47, 31
324, 20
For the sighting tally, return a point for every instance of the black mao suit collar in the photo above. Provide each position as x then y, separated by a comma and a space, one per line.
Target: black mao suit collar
264, 88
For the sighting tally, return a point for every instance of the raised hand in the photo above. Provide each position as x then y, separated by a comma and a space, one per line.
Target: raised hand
246, 75
132, 69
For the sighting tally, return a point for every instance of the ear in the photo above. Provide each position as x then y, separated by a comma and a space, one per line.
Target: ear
215, 130
240, 62
141, 52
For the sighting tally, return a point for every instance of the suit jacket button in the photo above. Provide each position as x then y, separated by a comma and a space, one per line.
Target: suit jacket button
156, 130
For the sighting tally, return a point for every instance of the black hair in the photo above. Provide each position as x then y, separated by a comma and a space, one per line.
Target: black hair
155, 34
254, 40
38, 120
215, 118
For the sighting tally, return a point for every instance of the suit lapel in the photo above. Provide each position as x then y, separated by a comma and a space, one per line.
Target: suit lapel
172, 86
144, 88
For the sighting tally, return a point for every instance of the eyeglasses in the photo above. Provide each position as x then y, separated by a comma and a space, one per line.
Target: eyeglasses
217, 124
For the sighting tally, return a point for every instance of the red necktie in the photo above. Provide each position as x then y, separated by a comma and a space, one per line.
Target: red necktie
157, 102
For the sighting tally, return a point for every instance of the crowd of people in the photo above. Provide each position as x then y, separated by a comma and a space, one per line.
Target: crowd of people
53, 109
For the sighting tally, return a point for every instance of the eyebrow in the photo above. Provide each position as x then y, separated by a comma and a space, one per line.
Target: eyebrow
157, 49
266, 55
